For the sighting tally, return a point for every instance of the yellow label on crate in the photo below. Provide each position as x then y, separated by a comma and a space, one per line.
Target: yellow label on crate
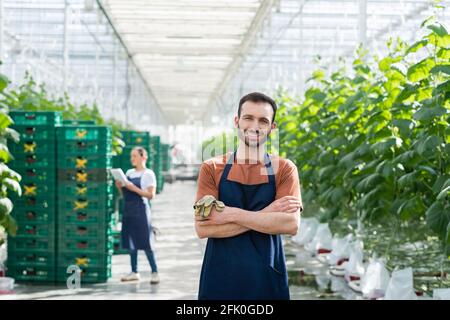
30, 190
29, 147
81, 163
80, 205
82, 177
80, 133
138, 140
81, 190
82, 261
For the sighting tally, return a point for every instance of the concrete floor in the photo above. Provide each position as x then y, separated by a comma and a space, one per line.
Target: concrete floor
179, 255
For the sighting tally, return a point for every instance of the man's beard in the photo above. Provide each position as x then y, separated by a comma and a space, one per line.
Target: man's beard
252, 144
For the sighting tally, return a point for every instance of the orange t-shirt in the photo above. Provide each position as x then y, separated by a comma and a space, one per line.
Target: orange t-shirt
286, 176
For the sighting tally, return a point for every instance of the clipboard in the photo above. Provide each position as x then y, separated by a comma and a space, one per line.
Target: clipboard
118, 175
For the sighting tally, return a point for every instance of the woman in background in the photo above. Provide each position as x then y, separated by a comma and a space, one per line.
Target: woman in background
137, 232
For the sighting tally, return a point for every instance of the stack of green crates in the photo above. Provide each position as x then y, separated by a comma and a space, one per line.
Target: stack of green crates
157, 162
166, 157
134, 139
85, 201
32, 253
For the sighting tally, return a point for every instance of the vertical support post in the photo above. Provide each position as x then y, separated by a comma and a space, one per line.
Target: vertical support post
1, 32
66, 46
115, 48
362, 22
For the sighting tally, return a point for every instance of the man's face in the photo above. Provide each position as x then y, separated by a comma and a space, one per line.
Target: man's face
255, 123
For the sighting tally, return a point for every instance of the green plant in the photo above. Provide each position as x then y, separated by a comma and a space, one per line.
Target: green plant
372, 144
32, 97
9, 179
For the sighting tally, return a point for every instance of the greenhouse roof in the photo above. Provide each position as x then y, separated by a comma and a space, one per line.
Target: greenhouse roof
185, 48
181, 61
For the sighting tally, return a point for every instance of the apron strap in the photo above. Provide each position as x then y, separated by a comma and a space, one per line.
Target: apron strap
267, 163
269, 167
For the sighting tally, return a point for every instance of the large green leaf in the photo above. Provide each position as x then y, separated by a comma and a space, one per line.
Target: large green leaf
5, 121
10, 225
4, 81
411, 208
437, 218
12, 185
443, 87
6, 172
444, 68
405, 126
385, 168
438, 29
326, 171
369, 182
416, 46
5, 155
407, 92
444, 54
428, 146
407, 179
6, 206
444, 194
426, 113
420, 70
438, 41
12, 134
441, 183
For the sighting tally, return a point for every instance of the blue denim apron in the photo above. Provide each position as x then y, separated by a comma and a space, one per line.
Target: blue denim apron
249, 266
136, 227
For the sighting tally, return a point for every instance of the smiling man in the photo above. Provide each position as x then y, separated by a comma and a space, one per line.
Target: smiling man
244, 257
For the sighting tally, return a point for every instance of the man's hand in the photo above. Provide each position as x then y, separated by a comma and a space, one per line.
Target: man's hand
289, 204
216, 218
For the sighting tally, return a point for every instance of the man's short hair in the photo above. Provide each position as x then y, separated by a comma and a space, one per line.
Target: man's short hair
258, 97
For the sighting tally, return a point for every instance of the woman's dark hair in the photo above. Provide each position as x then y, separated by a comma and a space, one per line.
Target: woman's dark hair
258, 97
142, 152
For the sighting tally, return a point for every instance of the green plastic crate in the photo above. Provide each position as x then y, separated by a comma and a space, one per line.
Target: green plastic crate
35, 230
39, 161
92, 260
89, 161
84, 132
34, 175
19, 244
86, 189
74, 147
36, 133
35, 203
32, 189
79, 204
32, 274
136, 138
36, 117
29, 146
43, 215
88, 275
86, 216
31, 259
84, 175
87, 231
85, 245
